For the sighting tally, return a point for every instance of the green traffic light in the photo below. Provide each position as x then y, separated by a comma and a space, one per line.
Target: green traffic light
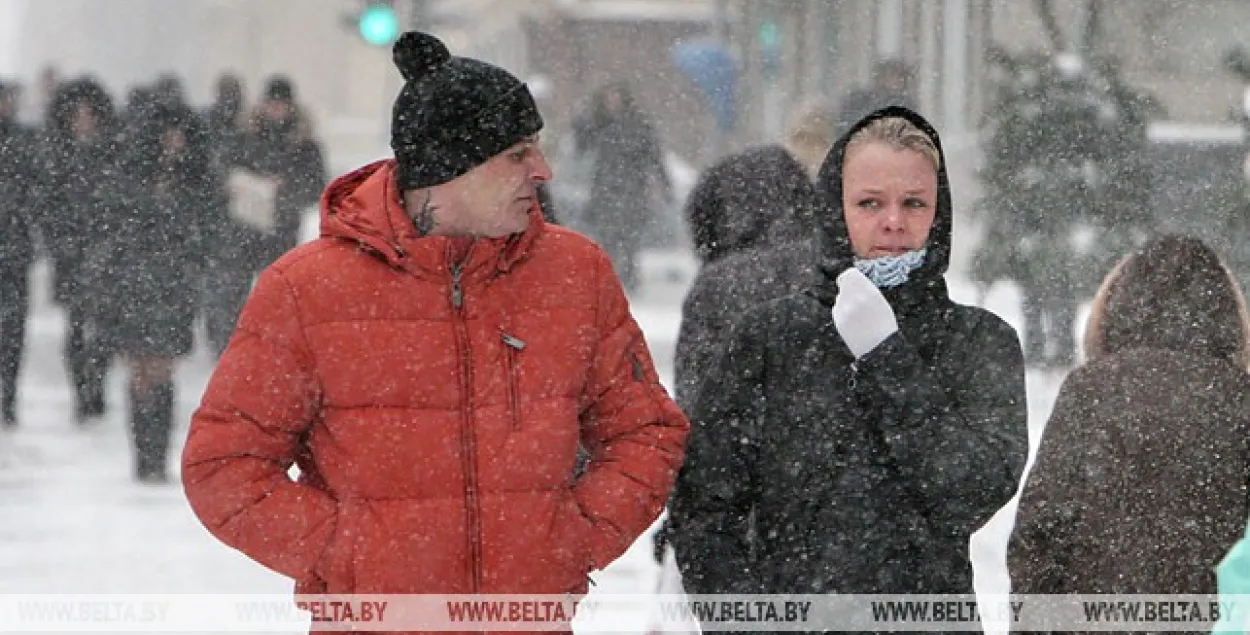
770, 35
379, 25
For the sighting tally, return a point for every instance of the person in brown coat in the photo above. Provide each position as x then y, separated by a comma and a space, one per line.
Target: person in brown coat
1140, 480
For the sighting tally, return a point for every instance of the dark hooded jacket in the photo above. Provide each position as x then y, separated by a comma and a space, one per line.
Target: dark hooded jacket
289, 151
856, 477
1139, 486
751, 221
18, 174
161, 240
80, 196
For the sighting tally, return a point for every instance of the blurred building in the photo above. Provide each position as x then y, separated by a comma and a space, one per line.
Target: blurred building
580, 46
783, 51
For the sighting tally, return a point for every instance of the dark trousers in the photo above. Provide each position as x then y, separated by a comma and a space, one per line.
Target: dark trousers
88, 354
14, 310
227, 285
151, 423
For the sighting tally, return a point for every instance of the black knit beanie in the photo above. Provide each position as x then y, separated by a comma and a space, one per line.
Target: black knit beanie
453, 113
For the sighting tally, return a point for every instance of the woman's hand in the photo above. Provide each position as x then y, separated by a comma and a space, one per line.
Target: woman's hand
861, 314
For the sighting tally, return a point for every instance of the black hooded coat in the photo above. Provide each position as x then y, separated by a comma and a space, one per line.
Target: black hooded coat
810, 472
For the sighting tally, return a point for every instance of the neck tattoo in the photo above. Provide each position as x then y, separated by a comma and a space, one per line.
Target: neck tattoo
424, 217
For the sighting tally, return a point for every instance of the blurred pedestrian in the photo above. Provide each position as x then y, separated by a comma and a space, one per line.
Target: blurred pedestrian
629, 180
18, 174
81, 203
158, 251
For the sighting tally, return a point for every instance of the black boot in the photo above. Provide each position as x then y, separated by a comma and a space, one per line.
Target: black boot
8, 411
8, 402
95, 373
76, 361
152, 415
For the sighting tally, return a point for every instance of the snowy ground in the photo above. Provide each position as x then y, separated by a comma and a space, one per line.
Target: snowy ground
73, 521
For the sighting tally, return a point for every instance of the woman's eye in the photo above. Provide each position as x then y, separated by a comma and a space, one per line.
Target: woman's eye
868, 203
915, 203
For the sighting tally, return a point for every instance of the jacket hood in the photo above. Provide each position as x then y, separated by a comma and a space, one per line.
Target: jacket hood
364, 206
836, 253
761, 198
68, 96
1175, 294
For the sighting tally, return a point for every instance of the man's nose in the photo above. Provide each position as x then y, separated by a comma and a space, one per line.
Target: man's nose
540, 170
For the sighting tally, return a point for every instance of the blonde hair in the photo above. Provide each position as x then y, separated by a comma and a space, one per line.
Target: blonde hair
900, 134
814, 124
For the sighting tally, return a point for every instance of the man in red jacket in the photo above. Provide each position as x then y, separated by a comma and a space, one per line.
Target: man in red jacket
434, 363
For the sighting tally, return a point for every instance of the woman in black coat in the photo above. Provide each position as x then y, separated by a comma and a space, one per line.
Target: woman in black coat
157, 252
851, 439
80, 198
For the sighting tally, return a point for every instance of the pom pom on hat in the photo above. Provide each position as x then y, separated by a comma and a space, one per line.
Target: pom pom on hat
416, 54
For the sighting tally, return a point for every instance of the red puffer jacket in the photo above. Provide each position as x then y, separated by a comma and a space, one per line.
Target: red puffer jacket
435, 412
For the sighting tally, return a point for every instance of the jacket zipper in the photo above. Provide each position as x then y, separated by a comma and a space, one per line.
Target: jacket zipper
512, 346
467, 438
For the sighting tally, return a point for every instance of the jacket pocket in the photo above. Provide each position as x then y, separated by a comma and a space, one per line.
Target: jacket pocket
512, 347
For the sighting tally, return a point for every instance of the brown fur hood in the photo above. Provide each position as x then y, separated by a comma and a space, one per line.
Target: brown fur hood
1175, 294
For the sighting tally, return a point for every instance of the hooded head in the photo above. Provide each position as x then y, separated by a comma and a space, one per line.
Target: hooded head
453, 113
838, 254
758, 198
76, 96
1175, 294
280, 88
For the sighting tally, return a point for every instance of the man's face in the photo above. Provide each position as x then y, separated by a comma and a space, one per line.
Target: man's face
277, 110
493, 199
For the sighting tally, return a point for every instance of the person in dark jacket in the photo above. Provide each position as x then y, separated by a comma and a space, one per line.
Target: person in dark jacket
277, 143
158, 250
280, 143
1148, 446
17, 177
850, 439
81, 202
752, 221
231, 247
629, 176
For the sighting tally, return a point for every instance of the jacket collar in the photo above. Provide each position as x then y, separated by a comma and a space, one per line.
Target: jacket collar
364, 206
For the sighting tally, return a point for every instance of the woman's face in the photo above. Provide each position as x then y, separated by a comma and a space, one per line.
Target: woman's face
889, 198
84, 122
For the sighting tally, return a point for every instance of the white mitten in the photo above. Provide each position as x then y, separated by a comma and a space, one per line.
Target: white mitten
861, 314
